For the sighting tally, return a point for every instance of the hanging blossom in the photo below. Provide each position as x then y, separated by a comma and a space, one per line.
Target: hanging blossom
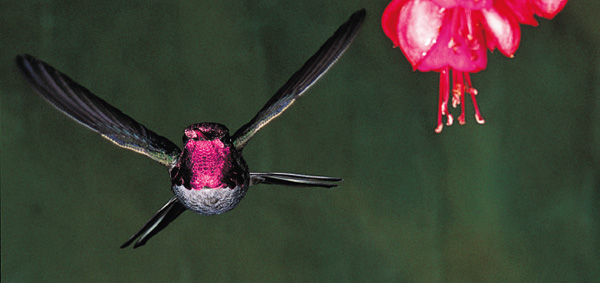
451, 37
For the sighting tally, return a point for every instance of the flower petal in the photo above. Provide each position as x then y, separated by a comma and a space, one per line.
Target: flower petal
418, 28
502, 31
389, 20
523, 11
548, 8
456, 47
467, 4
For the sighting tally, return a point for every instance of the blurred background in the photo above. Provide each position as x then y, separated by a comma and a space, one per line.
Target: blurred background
516, 199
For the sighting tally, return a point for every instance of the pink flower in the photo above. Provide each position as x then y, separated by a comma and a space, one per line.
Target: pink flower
451, 36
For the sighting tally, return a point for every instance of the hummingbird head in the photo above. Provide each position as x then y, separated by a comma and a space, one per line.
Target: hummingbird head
209, 160
206, 132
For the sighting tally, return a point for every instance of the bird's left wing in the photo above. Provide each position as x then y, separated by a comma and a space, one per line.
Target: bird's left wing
300, 81
86, 108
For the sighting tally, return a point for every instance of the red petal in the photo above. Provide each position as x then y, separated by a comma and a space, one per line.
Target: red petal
548, 8
389, 20
523, 11
457, 49
467, 4
502, 31
418, 28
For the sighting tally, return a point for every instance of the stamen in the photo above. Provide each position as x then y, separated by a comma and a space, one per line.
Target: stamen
442, 102
470, 88
461, 84
449, 120
446, 92
439, 128
478, 116
472, 91
461, 118
457, 88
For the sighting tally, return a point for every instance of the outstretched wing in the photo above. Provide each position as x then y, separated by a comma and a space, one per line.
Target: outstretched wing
159, 221
83, 106
316, 66
294, 180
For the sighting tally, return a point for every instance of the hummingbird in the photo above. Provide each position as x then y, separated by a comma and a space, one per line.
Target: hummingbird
208, 176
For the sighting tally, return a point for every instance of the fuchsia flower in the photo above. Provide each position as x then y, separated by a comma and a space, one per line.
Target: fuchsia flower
452, 35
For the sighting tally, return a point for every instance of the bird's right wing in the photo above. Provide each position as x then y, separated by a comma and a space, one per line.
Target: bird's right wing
86, 108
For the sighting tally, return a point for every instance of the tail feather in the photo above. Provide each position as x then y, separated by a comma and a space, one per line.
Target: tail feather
159, 221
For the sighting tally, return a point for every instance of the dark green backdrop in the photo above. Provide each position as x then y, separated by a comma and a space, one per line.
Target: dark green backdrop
516, 199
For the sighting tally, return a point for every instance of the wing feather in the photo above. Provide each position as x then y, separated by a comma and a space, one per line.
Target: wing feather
159, 221
86, 108
300, 81
294, 180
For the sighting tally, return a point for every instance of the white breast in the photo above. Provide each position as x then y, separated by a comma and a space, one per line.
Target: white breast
209, 201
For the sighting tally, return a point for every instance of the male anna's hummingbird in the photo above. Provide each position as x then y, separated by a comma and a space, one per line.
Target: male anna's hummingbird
209, 176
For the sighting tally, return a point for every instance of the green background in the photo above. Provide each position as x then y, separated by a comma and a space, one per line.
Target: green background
516, 199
